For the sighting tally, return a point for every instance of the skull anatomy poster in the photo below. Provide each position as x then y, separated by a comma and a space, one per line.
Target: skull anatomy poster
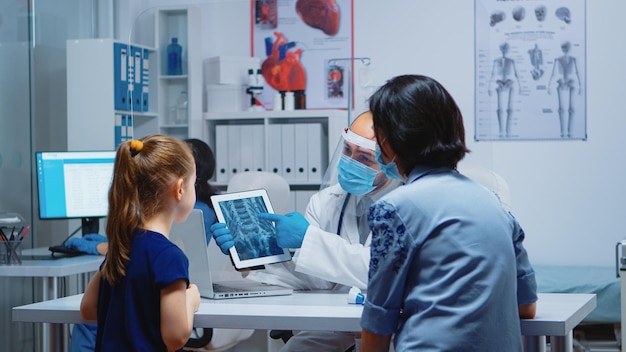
530, 70
295, 40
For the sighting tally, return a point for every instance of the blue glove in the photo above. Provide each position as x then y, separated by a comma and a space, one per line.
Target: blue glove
87, 244
290, 228
223, 237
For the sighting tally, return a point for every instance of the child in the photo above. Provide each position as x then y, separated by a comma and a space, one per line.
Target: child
141, 296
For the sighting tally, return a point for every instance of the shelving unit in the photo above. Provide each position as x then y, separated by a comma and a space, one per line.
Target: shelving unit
300, 135
92, 94
181, 22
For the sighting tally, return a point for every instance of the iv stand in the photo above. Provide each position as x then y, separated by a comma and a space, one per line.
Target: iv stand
365, 61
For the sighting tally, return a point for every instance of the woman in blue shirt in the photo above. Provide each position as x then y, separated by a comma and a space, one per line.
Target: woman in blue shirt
448, 270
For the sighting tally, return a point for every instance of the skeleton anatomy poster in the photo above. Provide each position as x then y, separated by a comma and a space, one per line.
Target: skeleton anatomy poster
295, 39
530, 70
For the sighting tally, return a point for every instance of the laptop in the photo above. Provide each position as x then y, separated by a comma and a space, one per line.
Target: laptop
190, 237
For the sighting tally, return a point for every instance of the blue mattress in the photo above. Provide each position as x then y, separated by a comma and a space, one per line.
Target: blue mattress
584, 279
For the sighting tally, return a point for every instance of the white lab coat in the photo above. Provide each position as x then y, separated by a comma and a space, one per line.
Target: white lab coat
325, 260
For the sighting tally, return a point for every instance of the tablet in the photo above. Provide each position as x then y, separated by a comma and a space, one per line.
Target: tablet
255, 240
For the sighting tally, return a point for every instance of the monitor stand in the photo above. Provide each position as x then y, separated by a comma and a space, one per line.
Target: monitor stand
90, 225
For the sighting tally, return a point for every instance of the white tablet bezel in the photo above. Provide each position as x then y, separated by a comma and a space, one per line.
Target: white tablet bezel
238, 260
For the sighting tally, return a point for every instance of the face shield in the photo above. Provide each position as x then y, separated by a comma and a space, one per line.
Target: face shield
354, 165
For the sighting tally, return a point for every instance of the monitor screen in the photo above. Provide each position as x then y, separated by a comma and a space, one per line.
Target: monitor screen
74, 184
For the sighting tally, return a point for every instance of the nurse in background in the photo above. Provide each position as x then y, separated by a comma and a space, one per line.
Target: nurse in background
448, 271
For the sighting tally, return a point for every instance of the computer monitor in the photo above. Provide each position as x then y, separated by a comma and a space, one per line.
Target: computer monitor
74, 184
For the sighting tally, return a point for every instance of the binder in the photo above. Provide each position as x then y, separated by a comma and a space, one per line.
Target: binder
258, 152
124, 124
300, 151
118, 130
221, 154
145, 79
246, 148
274, 150
137, 85
317, 152
120, 80
288, 151
234, 150
129, 127
130, 78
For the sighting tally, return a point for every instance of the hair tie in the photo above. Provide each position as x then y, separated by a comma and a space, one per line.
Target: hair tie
135, 147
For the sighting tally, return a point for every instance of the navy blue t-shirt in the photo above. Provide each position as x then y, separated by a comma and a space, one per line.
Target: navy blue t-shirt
129, 314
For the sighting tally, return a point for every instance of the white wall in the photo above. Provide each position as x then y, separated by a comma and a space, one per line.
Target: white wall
566, 194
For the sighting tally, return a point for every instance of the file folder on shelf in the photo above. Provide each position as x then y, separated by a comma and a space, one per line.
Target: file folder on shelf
221, 154
274, 151
118, 130
246, 148
120, 83
300, 151
145, 79
234, 150
258, 153
317, 152
137, 86
288, 151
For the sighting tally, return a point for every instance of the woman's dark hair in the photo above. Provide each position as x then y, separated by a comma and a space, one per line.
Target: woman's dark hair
417, 117
205, 168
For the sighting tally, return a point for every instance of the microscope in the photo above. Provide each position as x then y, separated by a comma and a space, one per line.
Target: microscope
255, 88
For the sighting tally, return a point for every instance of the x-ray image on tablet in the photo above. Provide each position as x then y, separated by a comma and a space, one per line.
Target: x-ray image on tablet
255, 240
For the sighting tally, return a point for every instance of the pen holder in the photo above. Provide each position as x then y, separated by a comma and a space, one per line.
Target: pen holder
10, 252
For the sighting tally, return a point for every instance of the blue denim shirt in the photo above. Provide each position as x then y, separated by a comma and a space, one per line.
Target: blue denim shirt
448, 268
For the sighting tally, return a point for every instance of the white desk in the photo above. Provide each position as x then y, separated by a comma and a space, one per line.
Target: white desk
557, 314
50, 270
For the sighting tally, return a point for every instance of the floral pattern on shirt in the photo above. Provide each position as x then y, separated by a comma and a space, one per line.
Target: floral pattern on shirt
388, 237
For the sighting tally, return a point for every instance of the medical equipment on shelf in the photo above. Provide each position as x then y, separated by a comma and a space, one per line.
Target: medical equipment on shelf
255, 88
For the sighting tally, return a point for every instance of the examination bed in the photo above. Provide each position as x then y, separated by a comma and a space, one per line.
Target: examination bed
604, 322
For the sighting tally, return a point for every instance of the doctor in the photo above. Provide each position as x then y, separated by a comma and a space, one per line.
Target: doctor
332, 239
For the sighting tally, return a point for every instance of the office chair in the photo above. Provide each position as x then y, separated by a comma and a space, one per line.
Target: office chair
276, 186
490, 180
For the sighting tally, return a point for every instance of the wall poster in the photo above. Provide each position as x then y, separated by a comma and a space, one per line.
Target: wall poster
295, 39
530, 70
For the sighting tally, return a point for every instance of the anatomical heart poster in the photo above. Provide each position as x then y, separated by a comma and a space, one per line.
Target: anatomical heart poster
530, 59
294, 41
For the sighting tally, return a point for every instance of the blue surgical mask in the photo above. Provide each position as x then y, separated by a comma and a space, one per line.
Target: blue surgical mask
354, 177
390, 169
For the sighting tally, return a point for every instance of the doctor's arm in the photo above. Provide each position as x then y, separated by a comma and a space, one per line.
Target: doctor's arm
327, 255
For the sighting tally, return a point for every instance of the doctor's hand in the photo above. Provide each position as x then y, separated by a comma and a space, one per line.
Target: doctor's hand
290, 228
87, 244
222, 235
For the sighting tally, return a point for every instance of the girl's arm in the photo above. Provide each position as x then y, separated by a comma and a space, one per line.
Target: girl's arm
178, 305
89, 303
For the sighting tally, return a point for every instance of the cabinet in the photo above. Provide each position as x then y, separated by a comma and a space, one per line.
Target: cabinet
183, 23
296, 144
101, 90
100, 72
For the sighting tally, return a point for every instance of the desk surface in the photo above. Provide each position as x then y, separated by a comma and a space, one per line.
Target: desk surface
557, 314
49, 266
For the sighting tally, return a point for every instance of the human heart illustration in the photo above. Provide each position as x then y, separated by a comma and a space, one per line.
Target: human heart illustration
282, 68
321, 14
